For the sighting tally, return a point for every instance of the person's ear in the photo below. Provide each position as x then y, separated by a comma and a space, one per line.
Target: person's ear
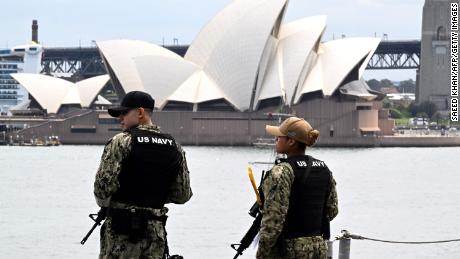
141, 112
291, 142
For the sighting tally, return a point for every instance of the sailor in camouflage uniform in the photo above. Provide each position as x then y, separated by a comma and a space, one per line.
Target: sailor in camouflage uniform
300, 197
141, 170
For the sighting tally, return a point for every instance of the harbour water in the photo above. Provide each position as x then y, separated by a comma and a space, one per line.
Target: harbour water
406, 194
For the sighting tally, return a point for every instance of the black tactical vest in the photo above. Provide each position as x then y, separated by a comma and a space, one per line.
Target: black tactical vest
149, 170
306, 214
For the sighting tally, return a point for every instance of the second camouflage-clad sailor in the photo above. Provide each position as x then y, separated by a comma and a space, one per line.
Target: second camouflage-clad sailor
299, 197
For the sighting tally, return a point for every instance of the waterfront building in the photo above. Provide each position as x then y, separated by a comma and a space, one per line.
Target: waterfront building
435, 60
244, 69
246, 59
19, 59
58, 96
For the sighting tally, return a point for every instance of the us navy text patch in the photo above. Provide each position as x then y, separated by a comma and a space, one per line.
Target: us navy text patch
155, 140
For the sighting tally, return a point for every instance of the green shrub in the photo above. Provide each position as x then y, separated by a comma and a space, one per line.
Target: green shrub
396, 114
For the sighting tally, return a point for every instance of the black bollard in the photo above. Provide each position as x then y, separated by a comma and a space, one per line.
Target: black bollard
344, 248
330, 250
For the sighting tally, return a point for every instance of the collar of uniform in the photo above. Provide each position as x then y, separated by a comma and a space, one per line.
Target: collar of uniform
152, 127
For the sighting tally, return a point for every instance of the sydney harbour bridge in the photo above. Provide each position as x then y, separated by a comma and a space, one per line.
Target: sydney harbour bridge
85, 62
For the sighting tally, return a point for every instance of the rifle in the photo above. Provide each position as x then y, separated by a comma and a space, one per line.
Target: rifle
255, 212
97, 218
251, 234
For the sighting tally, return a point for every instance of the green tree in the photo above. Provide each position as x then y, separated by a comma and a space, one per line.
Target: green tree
396, 114
374, 84
413, 108
426, 107
437, 117
407, 86
429, 108
386, 83
387, 103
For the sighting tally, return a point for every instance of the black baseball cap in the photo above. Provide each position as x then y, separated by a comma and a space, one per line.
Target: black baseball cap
133, 100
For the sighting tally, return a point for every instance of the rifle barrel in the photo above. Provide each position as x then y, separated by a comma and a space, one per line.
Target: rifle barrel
97, 221
83, 241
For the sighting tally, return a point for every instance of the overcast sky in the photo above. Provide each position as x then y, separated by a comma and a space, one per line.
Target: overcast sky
71, 23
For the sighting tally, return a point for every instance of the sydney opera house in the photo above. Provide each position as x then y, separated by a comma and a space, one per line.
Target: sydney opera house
245, 66
58, 96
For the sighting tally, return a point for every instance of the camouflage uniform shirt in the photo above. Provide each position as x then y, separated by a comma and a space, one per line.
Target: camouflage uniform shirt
277, 188
106, 184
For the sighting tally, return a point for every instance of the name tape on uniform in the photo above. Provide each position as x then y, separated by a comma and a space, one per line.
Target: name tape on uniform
155, 140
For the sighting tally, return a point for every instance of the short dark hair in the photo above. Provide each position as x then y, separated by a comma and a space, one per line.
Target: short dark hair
148, 111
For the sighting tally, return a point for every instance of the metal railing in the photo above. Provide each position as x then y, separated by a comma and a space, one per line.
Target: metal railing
346, 237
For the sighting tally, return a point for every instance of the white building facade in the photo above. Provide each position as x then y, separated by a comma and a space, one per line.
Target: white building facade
19, 59
244, 57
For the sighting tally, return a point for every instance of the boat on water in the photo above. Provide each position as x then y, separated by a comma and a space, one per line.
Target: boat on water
264, 142
35, 142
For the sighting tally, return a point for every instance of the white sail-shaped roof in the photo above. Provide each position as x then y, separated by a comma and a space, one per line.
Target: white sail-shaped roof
88, 89
142, 66
51, 92
314, 81
244, 55
166, 77
100, 100
161, 75
335, 61
341, 56
231, 47
210, 36
295, 53
197, 89
358, 88
372, 44
48, 91
72, 96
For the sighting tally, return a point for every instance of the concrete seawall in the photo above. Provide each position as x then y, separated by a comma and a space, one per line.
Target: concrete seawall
390, 141
425, 141
206, 129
